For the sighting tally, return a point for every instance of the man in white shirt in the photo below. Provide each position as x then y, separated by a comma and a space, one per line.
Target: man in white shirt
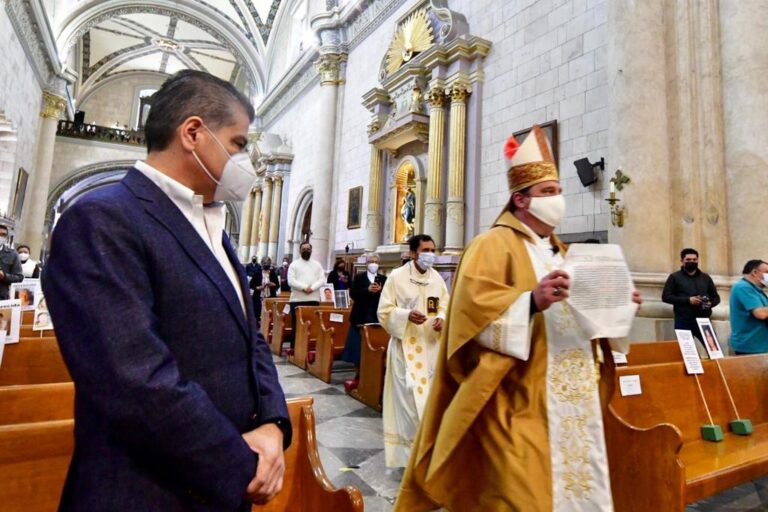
305, 277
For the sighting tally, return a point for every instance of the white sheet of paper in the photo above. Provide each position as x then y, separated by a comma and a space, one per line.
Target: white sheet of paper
42, 318
601, 290
337, 318
286, 309
619, 358
709, 337
688, 350
630, 385
28, 288
2, 346
11, 319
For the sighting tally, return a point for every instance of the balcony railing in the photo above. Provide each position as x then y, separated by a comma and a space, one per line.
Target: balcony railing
100, 133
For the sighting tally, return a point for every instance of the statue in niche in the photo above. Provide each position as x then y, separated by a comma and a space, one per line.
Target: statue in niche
408, 212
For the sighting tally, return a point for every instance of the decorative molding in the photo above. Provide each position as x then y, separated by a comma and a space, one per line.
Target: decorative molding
287, 91
330, 67
365, 20
45, 64
53, 106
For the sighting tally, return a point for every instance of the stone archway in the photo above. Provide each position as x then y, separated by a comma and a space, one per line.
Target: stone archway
300, 222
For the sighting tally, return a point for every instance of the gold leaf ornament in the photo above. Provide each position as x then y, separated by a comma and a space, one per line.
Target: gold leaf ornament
414, 36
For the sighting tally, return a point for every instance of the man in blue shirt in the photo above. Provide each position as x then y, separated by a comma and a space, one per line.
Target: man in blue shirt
749, 310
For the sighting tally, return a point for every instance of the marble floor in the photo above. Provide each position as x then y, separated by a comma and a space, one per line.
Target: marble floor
351, 446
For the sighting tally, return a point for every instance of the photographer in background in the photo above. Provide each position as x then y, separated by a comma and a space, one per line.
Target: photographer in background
691, 292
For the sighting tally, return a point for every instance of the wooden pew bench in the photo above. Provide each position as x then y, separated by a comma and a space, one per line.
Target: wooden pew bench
31, 403
267, 315
653, 352
657, 458
33, 361
373, 364
330, 342
281, 327
34, 458
307, 331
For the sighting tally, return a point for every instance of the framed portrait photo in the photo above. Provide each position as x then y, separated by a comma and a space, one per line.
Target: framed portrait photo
709, 337
354, 208
550, 130
327, 295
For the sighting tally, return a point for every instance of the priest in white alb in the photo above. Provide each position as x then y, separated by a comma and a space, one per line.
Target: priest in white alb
513, 421
412, 310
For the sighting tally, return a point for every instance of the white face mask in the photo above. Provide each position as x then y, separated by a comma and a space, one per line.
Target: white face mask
3, 240
23, 257
548, 209
765, 279
236, 179
426, 260
373, 268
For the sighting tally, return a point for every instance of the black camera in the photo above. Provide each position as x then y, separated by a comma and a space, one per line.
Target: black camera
706, 304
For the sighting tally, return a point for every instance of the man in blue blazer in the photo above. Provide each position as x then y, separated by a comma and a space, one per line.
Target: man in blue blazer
178, 405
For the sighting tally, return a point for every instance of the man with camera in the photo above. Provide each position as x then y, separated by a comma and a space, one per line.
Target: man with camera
691, 292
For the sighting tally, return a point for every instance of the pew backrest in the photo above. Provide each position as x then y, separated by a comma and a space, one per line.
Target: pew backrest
37, 402
654, 352
33, 361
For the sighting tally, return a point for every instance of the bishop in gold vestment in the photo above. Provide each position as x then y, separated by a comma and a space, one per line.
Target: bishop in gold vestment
513, 421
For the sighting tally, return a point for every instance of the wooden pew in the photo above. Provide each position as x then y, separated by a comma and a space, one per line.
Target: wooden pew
330, 342
27, 318
307, 331
33, 361
373, 364
657, 458
31, 403
281, 327
34, 458
653, 352
306, 487
267, 315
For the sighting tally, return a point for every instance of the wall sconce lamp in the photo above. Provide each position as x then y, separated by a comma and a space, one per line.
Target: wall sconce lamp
617, 212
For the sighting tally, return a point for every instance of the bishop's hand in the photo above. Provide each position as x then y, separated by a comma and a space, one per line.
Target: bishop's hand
553, 288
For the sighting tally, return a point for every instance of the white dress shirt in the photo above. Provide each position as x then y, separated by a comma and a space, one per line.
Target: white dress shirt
207, 220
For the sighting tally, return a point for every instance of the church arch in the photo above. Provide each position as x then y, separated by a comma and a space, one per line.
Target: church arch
408, 172
299, 224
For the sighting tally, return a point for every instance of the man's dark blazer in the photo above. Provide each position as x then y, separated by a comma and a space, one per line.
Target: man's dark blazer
365, 303
168, 371
258, 278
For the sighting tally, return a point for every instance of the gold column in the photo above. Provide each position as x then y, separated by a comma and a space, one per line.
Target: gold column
266, 207
433, 210
374, 217
253, 243
33, 216
454, 225
245, 227
274, 228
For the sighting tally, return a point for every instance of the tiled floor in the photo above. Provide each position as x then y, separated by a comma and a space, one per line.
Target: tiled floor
351, 446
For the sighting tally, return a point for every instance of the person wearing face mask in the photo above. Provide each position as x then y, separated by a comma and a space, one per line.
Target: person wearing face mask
412, 309
10, 265
178, 397
264, 283
501, 402
305, 277
691, 292
365, 293
749, 310
252, 268
29, 267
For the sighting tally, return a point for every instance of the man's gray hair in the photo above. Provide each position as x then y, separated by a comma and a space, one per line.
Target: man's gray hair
370, 255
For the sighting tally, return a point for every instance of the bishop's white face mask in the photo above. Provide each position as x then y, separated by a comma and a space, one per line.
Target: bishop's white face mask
548, 209
237, 178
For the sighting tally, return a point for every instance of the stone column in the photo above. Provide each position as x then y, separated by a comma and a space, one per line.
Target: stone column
329, 67
253, 242
245, 228
374, 218
454, 223
33, 217
743, 28
266, 209
637, 101
433, 209
274, 227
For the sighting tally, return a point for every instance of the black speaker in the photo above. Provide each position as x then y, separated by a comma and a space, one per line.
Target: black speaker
586, 170
79, 118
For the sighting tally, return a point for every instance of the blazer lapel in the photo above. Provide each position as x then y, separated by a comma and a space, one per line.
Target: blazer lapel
162, 209
249, 313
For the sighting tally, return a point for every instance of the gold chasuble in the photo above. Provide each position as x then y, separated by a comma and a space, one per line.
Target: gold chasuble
513, 421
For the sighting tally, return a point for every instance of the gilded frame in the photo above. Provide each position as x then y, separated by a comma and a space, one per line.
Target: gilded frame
354, 208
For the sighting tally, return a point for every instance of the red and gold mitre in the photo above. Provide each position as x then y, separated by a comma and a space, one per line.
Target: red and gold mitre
531, 162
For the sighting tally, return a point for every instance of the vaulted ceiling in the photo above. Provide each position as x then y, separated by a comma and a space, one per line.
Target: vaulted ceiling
227, 38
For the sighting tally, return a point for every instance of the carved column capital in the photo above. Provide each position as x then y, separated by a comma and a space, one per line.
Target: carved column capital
436, 97
330, 67
460, 92
53, 106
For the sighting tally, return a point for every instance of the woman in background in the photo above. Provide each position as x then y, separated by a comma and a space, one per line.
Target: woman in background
29, 267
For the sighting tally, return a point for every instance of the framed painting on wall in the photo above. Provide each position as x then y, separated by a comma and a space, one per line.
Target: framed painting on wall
21, 190
550, 130
354, 207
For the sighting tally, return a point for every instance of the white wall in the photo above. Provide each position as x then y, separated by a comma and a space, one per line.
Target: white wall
20, 99
117, 100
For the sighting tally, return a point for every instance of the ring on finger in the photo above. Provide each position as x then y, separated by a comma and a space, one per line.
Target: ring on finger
557, 292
